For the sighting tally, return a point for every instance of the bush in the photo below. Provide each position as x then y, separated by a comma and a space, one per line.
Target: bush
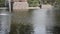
33, 3
2, 3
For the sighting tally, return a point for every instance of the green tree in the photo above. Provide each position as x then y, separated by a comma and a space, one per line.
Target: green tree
55, 3
33, 3
2, 3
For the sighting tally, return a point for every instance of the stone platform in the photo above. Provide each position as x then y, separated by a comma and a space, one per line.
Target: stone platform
22, 6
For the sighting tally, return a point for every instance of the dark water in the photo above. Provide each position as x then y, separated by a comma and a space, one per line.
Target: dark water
44, 21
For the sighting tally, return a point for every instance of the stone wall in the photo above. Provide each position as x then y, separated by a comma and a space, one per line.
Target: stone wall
20, 5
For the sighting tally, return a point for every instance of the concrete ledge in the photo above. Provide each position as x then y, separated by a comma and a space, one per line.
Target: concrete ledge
26, 9
47, 6
33, 8
3, 7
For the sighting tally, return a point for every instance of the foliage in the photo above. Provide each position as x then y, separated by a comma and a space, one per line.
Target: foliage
2, 3
55, 3
33, 3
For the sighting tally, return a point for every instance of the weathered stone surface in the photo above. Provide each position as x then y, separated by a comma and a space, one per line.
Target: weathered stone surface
20, 5
47, 6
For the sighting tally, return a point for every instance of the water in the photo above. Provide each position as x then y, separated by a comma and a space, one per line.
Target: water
45, 20
5, 20
39, 17
42, 19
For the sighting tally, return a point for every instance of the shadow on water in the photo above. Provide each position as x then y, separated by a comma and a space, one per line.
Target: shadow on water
56, 28
57, 25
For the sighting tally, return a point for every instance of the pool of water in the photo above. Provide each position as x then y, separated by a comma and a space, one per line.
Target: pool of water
44, 21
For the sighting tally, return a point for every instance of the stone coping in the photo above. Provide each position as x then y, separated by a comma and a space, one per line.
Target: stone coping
33, 8
3, 7
29, 8
26, 9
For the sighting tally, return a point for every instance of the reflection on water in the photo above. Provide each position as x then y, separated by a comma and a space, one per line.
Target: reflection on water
42, 20
5, 20
45, 21
39, 20
57, 25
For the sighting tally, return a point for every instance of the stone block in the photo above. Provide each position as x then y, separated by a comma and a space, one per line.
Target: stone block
20, 6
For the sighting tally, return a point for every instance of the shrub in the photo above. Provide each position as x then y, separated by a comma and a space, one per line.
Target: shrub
33, 3
2, 3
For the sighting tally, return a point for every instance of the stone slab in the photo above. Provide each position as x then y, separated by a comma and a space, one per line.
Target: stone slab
20, 5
